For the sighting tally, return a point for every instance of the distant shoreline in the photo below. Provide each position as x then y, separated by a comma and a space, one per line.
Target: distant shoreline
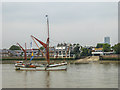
104, 57
35, 58
57, 61
85, 60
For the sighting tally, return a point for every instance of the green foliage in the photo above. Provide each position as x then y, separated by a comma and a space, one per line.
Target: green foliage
106, 47
86, 52
14, 47
100, 45
116, 48
76, 51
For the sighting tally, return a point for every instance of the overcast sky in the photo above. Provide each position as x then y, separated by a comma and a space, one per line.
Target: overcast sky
86, 23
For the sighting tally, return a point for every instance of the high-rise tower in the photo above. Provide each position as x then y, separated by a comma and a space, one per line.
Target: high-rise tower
107, 40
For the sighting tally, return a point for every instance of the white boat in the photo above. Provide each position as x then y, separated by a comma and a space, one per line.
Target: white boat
51, 67
48, 66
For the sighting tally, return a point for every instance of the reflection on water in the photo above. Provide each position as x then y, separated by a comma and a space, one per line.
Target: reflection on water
48, 79
77, 76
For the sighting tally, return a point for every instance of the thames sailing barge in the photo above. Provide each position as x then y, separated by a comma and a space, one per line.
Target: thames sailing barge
45, 67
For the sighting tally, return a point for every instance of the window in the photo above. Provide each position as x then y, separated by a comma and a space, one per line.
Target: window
63, 52
59, 52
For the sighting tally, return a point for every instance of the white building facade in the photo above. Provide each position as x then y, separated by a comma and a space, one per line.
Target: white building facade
63, 51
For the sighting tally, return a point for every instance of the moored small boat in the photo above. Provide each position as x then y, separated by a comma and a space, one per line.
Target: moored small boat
19, 64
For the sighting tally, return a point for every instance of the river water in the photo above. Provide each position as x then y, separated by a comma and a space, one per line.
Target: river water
91, 75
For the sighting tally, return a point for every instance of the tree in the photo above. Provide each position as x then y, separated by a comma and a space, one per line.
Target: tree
100, 45
86, 51
14, 47
76, 51
116, 48
106, 47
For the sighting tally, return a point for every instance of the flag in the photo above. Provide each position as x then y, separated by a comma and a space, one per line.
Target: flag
31, 58
32, 54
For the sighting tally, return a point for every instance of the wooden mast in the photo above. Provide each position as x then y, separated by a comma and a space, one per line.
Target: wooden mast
45, 45
24, 50
47, 49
